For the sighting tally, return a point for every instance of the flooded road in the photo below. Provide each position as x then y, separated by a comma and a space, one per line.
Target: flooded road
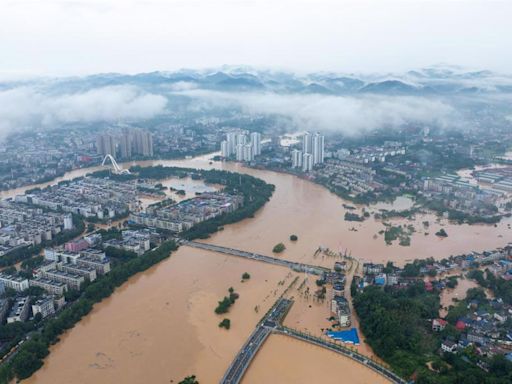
458, 293
161, 326
286, 360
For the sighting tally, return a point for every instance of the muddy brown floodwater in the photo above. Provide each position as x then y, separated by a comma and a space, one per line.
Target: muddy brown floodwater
160, 326
459, 293
286, 360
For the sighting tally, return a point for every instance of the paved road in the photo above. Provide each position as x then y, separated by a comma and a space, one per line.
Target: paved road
270, 321
298, 267
380, 369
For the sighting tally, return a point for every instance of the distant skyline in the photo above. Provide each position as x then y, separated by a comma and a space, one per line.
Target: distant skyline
62, 38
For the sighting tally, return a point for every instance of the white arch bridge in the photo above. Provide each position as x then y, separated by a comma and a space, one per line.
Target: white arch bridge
116, 167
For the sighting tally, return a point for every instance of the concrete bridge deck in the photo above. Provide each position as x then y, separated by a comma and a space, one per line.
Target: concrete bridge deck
298, 267
271, 323
244, 357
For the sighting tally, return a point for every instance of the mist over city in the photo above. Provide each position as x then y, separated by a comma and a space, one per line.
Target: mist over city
441, 96
242, 191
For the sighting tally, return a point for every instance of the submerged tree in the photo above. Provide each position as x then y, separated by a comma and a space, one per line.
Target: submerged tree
189, 380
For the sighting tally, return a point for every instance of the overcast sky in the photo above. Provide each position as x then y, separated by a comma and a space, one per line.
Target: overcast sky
59, 37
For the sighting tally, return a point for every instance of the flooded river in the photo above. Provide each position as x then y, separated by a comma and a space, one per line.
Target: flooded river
310, 364
161, 326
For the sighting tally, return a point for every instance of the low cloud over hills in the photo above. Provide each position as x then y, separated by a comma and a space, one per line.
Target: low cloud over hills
442, 96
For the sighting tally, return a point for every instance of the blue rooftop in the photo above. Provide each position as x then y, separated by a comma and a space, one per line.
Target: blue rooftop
349, 336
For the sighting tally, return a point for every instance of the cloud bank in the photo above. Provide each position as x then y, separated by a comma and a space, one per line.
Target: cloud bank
27, 107
347, 114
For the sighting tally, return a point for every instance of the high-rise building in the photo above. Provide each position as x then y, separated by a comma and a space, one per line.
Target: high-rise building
239, 152
131, 141
231, 139
143, 142
224, 149
256, 143
296, 158
307, 162
307, 143
106, 145
248, 153
125, 144
241, 139
318, 149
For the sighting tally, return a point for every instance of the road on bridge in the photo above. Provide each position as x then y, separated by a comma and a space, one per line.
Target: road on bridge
244, 357
298, 267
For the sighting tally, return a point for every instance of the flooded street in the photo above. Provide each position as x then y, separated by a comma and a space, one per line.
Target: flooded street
161, 326
459, 293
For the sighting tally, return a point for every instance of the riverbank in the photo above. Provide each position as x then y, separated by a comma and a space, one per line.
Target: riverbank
137, 331
255, 193
462, 238
28, 358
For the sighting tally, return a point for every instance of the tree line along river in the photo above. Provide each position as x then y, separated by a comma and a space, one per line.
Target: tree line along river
160, 326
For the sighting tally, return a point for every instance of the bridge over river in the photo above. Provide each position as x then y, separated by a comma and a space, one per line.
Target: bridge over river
298, 267
272, 323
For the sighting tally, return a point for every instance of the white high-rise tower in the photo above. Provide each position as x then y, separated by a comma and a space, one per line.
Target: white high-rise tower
240, 152
306, 143
256, 143
318, 149
296, 158
307, 162
224, 149
231, 139
241, 139
248, 152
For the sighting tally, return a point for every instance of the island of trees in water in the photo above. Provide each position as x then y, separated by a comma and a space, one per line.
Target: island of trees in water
29, 357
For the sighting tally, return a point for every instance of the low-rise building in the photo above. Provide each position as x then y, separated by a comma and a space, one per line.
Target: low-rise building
83, 270
72, 280
59, 301
20, 310
51, 286
449, 346
372, 269
438, 325
46, 265
102, 267
134, 241
93, 253
76, 245
339, 306
17, 283
156, 222
391, 279
185, 214
44, 306
476, 338
4, 308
